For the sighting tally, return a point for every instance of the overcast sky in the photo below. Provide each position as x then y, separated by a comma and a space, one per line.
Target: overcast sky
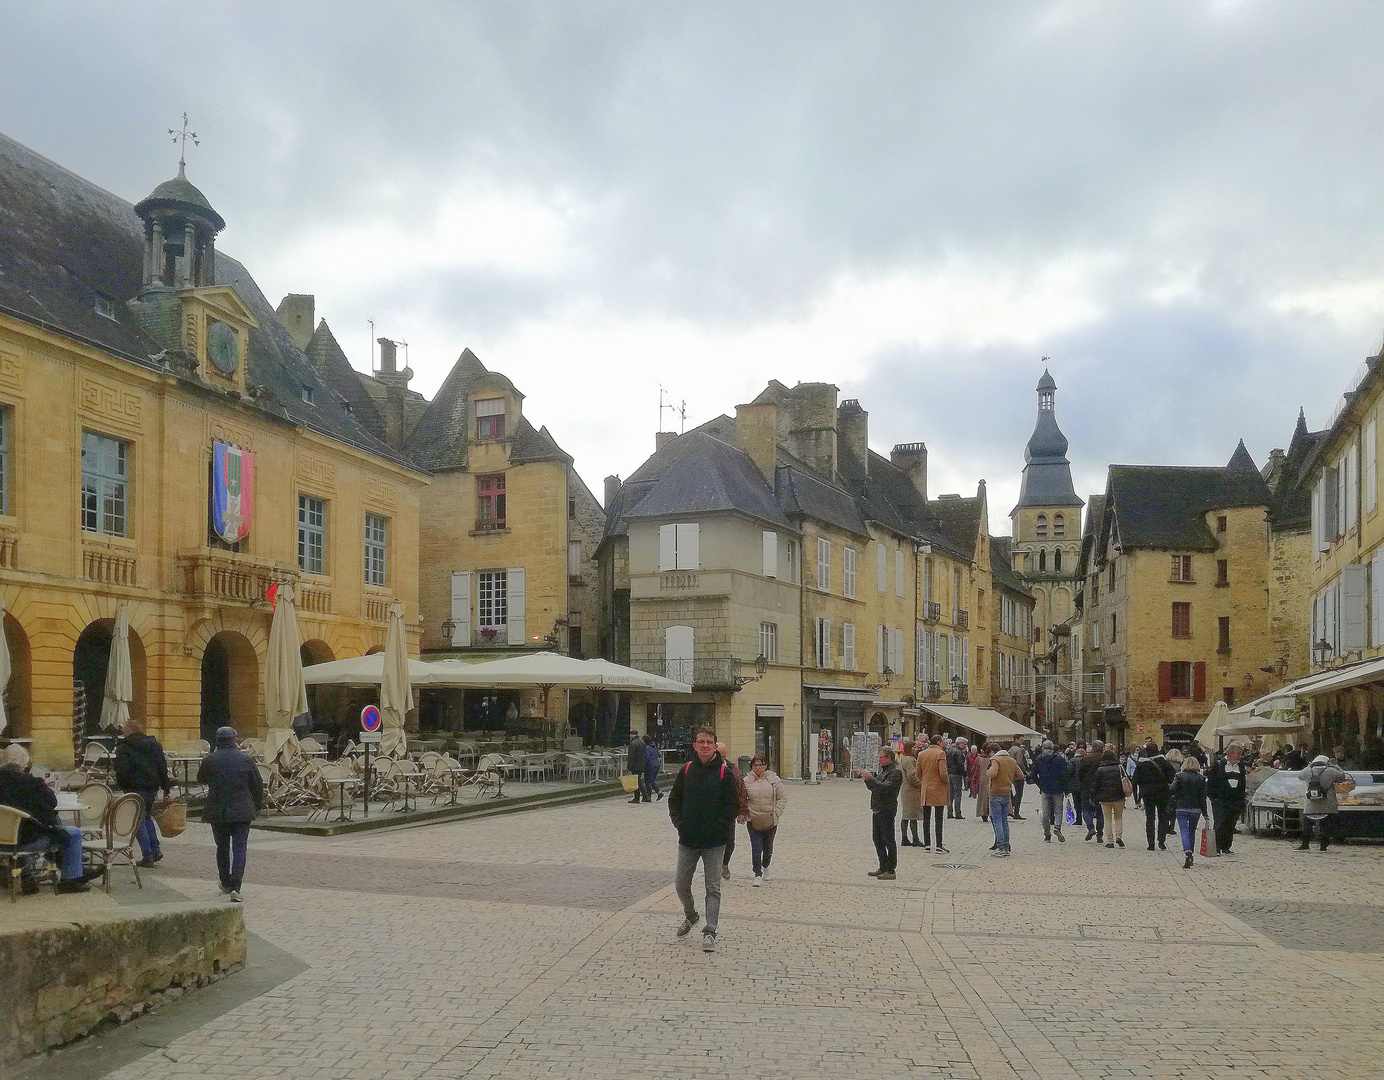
1177, 202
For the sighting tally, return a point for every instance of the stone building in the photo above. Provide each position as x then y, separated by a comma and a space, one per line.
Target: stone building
1175, 605
1011, 615
132, 354
778, 540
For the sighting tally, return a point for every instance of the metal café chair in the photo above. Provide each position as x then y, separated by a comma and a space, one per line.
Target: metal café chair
118, 844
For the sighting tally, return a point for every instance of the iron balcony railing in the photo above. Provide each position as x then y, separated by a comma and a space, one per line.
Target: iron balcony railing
932, 611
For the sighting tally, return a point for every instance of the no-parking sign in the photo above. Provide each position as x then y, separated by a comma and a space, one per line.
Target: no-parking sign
370, 718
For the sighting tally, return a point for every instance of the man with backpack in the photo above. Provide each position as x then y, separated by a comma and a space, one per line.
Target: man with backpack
1319, 807
704, 804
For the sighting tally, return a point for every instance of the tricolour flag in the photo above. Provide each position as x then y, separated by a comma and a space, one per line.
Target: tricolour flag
233, 491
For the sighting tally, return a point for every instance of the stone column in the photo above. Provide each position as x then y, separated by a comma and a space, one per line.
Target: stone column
189, 243
156, 274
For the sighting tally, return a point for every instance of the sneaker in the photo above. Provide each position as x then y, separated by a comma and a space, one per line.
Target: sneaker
1112, 844
925, 847
875, 873
1090, 834
660, 797
758, 880
1150, 847
708, 941
1119, 842
1017, 817
943, 851
998, 853
764, 873
1005, 851
687, 924
225, 890
888, 875
725, 873
1161, 846
235, 897
1186, 860
1060, 838
145, 864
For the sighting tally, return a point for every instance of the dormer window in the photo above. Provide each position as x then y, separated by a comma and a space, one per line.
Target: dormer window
490, 419
104, 307
307, 395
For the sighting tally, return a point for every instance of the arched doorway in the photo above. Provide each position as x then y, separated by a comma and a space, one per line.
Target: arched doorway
90, 659
315, 651
19, 692
230, 685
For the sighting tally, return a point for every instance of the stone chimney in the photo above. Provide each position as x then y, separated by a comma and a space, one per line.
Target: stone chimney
295, 311
852, 431
807, 425
612, 489
911, 460
395, 383
756, 430
389, 354
662, 439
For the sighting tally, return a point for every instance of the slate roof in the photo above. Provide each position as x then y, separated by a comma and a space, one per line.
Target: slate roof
960, 522
1002, 566
336, 371
1292, 505
698, 473
439, 438
1242, 484
64, 242
1047, 475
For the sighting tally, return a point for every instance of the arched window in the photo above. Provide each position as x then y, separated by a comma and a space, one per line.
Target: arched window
1059, 526
1057, 560
1042, 525
1042, 559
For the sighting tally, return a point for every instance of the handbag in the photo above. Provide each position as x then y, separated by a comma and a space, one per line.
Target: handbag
1126, 785
171, 819
629, 782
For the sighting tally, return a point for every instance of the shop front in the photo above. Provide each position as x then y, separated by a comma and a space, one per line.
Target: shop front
834, 714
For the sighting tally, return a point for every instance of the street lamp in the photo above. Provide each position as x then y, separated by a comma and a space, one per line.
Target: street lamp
956, 685
761, 665
1323, 651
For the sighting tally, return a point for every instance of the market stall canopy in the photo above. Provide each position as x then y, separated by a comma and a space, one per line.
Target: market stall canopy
551, 670
1286, 697
1260, 726
362, 671
985, 722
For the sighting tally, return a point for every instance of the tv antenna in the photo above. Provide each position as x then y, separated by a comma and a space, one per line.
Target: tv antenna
679, 410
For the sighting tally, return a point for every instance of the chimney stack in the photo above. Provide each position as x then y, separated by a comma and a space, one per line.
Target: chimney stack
810, 415
911, 460
388, 354
662, 439
756, 430
612, 489
295, 311
852, 427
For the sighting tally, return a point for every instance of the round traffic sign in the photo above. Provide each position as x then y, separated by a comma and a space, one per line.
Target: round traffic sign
370, 718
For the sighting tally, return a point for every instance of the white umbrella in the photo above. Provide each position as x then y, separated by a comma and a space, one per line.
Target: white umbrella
396, 689
119, 692
549, 670
285, 693
1219, 717
362, 671
4, 670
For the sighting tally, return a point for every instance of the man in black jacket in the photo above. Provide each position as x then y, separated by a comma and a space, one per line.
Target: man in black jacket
141, 767
25, 792
704, 804
1152, 776
634, 763
1225, 787
1086, 767
235, 794
956, 777
885, 785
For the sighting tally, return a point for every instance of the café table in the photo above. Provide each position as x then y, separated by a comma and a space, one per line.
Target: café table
341, 783
184, 764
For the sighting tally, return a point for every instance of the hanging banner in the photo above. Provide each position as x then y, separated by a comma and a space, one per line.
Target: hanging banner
233, 491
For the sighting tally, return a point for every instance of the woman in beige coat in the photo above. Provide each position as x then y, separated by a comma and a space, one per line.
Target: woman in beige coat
983, 795
765, 800
910, 796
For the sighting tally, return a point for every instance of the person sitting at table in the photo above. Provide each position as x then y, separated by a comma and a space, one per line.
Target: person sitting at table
28, 793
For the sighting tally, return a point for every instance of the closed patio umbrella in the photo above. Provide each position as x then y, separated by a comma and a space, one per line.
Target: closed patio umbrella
119, 692
4, 671
396, 689
285, 693
1219, 717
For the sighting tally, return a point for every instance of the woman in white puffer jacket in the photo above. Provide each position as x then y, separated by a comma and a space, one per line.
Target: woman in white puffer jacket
766, 800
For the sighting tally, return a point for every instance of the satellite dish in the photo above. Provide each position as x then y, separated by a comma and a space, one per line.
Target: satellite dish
407, 373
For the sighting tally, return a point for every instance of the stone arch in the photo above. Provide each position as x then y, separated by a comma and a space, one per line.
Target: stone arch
230, 685
90, 660
1057, 560
374, 649
19, 692
1059, 526
315, 651
1042, 560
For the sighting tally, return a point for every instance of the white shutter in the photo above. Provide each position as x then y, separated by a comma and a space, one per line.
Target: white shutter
667, 547
1341, 489
919, 645
896, 651
1371, 467
1352, 485
825, 635
1377, 599
679, 651
881, 564
966, 659
689, 547
824, 564
771, 554
1317, 518
882, 648
848, 646
1352, 608
848, 572
461, 607
898, 571
514, 600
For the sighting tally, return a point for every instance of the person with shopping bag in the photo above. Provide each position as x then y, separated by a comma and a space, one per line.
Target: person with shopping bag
1187, 796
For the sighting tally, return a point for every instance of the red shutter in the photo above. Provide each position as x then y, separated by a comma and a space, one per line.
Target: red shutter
1199, 681
1165, 680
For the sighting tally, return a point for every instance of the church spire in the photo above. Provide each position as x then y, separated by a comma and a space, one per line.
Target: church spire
1047, 479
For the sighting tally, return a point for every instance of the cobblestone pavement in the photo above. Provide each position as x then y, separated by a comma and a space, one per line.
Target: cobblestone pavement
553, 956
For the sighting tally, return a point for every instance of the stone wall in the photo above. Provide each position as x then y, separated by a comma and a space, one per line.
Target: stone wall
63, 980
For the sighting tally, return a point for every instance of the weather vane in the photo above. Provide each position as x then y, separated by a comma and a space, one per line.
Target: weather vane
182, 137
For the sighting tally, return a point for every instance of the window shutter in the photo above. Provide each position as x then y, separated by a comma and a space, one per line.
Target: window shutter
771, 554
1352, 608
896, 650
1199, 681
461, 607
848, 646
1165, 681
966, 659
826, 643
1371, 467
689, 547
882, 646
881, 565
1341, 488
898, 571
667, 547
1352, 485
919, 645
514, 586
1376, 607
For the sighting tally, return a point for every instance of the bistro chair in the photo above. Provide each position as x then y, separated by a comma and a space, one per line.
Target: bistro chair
18, 858
91, 819
118, 845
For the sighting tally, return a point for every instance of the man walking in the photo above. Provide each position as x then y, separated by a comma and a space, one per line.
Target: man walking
1050, 774
1152, 776
742, 800
956, 776
1225, 788
634, 764
1002, 772
235, 794
140, 767
884, 784
1019, 752
653, 765
1086, 767
703, 804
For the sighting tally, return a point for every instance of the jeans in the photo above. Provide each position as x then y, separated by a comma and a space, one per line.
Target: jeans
70, 864
710, 858
651, 780
885, 847
958, 788
1095, 818
1113, 812
999, 818
148, 834
230, 837
1325, 829
932, 815
761, 847
1018, 795
1054, 812
1225, 817
729, 847
1187, 825
1156, 824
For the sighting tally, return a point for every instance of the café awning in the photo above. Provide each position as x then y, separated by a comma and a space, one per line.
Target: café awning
987, 722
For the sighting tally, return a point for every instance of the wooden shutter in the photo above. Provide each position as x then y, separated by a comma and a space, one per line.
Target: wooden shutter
461, 607
848, 646
896, 651
1165, 680
514, 600
1352, 608
1199, 681
667, 547
881, 564
689, 548
771, 554
898, 571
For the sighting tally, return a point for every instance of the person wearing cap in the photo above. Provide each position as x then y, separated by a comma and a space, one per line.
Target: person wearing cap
235, 795
1320, 812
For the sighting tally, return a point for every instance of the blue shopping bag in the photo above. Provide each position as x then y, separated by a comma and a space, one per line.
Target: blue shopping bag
1071, 813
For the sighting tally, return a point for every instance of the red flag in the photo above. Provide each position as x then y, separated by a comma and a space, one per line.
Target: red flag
272, 595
